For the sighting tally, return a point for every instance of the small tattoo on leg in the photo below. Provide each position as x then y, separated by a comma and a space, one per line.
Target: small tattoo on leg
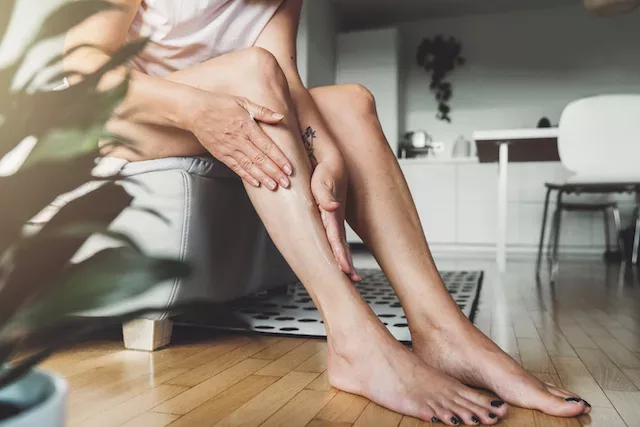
307, 139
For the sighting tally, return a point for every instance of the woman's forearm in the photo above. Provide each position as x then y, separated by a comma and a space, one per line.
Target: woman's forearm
149, 100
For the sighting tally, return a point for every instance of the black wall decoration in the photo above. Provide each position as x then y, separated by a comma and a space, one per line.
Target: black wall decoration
440, 56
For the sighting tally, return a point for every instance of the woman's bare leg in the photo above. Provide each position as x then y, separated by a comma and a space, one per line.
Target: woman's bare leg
381, 210
363, 358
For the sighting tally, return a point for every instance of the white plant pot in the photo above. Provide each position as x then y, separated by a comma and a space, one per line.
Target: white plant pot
43, 395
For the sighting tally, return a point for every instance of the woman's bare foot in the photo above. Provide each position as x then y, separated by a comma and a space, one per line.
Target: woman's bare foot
466, 354
371, 363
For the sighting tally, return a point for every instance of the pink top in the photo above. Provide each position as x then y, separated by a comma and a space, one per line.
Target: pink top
187, 32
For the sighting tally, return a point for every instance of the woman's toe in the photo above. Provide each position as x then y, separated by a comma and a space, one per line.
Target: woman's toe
558, 406
569, 397
491, 404
481, 415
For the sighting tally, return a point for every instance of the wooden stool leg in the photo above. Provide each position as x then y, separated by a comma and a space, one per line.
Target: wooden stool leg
147, 335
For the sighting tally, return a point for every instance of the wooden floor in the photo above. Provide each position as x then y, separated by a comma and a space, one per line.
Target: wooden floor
584, 333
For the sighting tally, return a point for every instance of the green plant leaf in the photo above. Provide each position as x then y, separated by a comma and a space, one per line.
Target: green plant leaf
70, 15
123, 54
7, 7
40, 258
107, 278
15, 373
65, 143
32, 189
77, 108
87, 229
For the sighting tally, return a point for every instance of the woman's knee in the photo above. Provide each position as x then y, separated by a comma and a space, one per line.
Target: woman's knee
349, 98
265, 76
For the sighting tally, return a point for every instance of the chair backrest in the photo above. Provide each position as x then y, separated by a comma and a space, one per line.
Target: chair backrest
601, 136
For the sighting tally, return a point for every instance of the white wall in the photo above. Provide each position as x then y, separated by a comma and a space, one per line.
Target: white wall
522, 66
317, 43
371, 58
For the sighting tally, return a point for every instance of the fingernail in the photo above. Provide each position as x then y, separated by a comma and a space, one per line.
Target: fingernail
492, 415
454, 421
434, 420
287, 170
497, 403
285, 182
272, 185
475, 420
277, 116
573, 399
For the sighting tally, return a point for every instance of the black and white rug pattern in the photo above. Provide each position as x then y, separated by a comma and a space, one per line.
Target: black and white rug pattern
292, 312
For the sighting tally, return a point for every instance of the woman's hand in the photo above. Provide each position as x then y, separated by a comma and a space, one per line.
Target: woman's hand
329, 188
227, 127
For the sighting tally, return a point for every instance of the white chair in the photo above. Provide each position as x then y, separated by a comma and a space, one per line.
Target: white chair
599, 142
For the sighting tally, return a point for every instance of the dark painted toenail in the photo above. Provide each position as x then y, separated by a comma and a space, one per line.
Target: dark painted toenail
434, 420
492, 415
573, 399
586, 403
454, 421
497, 403
474, 419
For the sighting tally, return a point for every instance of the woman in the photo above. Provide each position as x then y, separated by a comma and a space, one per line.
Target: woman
220, 76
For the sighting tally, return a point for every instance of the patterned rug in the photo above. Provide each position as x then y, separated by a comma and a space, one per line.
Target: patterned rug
290, 311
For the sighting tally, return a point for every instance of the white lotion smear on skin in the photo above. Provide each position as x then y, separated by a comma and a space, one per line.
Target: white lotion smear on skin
310, 226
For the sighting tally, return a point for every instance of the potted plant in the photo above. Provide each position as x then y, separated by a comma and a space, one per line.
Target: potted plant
40, 289
439, 56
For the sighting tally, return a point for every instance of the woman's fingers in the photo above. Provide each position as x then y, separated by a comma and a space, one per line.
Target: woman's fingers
334, 226
259, 112
256, 158
237, 168
256, 172
269, 148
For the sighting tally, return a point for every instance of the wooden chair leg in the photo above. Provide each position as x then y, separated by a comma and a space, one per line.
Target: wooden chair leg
147, 335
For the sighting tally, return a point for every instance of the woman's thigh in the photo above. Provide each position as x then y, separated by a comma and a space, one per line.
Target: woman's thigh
249, 73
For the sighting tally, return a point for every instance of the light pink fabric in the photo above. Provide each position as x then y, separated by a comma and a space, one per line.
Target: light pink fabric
187, 32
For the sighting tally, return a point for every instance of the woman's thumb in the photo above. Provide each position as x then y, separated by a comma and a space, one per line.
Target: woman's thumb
327, 198
262, 114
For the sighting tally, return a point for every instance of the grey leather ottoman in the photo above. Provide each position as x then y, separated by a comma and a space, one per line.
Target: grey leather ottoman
211, 224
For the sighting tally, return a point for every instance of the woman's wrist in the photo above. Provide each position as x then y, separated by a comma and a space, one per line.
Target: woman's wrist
186, 107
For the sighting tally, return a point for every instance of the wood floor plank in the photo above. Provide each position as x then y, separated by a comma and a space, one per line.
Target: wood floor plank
321, 383
217, 408
264, 405
518, 417
633, 375
133, 408
577, 378
279, 349
214, 367
602, 417
197, 395
576, 337
84, 404
619, 354
293, 359
152, 419
343, 408
323, 423
413, 422
604, 371
316, 363
544, 420
376, 415
627, 404
534, 356
554, 341
300, 410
